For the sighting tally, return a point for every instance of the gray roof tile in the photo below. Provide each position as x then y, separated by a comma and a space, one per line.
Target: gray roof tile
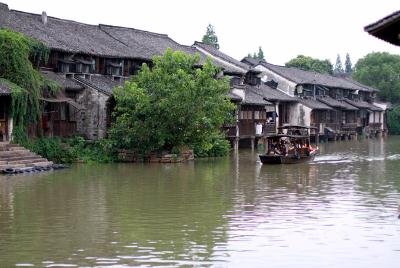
61, 79
314, 104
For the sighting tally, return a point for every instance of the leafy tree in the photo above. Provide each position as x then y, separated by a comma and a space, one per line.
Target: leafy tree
380, 70
338, 66
210, 37
171, 105
348, 68
310, 64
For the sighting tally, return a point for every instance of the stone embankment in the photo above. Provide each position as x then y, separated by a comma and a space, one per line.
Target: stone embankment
17, 159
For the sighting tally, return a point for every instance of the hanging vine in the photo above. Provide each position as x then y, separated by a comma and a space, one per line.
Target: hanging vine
18, 55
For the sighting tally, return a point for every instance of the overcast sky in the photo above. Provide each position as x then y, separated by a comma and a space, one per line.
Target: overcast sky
284, 28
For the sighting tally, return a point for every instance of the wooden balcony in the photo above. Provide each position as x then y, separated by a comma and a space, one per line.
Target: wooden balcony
375, 126
349, 127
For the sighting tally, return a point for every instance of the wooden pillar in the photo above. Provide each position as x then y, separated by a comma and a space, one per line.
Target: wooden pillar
236, 144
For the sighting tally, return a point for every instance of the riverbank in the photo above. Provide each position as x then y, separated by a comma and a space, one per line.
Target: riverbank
228, 211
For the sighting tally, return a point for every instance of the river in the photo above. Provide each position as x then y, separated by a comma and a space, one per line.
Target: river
340, 210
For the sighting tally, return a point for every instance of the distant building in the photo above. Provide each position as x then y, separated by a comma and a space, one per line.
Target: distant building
335, 105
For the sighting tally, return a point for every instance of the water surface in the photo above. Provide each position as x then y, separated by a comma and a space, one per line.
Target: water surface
338, 211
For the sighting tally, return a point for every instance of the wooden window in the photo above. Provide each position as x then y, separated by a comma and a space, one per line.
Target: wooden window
249, 115
256, 114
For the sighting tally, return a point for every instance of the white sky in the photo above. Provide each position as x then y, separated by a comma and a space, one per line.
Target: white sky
284, 28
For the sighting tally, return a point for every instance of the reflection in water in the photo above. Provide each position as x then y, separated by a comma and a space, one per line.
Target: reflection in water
340, 209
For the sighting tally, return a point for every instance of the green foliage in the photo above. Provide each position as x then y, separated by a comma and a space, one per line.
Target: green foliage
380, 70
214, 146
338, 66
210, 37
258, 56
310, 64
348, 67
171, 105
16, 53
99, 151
71, 150
394, 120
51, 148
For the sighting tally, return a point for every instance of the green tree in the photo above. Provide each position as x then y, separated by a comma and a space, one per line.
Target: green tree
258, 56
171, 105
394, 120
380, 70
19, 55
310, 64
210, 37
348, 68
338, 66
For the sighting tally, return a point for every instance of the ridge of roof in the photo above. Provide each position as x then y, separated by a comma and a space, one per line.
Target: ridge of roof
134, 29
219, 54
51, 17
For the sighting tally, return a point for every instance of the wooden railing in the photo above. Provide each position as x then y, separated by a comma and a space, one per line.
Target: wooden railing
269, 128
375, 126
334, 126
230, 130
349, 127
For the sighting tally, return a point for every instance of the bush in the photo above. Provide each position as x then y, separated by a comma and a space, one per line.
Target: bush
71, 150
215, 146
394, 120
52, 149
94, 151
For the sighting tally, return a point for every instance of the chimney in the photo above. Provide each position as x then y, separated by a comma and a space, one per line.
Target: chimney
44, 17
4, 7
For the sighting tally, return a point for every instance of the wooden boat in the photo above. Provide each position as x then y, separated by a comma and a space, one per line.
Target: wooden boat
290, 147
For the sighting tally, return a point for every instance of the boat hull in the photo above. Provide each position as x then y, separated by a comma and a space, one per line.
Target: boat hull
286, 159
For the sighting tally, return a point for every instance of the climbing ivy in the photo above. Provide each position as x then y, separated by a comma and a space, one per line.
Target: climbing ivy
18, 56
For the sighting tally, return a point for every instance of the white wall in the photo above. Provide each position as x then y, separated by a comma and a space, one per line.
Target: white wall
299, 114
284, 84
10, 128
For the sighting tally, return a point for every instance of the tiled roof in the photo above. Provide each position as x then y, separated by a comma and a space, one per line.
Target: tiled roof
365, 87
299, 76
272, 94
364, 105
229, 64
250, 61
314, 104
64, 35
100, 82
234, 97
254, 97
144, 44
61, 79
